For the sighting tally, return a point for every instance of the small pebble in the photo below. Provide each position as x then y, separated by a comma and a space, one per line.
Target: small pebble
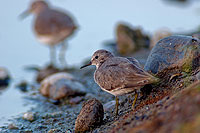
4, 77
75, 100
52, 131
90, 116
28, 116
198, 76
12, 126
107, 106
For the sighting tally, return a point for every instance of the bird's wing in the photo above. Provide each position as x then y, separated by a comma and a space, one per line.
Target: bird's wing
134, 61
120, 73
136, 76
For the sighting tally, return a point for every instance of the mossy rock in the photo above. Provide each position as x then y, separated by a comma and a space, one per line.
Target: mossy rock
182, 52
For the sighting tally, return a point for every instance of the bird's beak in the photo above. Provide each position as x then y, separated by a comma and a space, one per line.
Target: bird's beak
90, 63
24, 14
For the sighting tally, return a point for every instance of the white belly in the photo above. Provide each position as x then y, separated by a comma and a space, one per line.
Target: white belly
47, 40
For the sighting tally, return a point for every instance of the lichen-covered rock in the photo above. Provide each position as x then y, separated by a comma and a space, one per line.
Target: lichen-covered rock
130, 39
182, 52
60, 85
91, 115
4, 77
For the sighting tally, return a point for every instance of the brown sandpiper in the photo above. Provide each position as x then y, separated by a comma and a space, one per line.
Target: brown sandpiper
119, 75
51, 27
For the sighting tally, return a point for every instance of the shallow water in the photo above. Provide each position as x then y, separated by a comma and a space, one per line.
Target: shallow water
96, 20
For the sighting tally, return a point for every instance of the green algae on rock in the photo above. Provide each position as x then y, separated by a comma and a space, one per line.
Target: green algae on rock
181, 52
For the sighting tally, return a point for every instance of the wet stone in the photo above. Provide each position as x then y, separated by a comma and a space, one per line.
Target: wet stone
109, 105
4, 77
29, 116
75, 100
60, 85
180, 52
90, 116
12, 126
198, 76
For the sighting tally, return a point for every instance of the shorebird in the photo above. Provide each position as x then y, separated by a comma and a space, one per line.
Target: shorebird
118, 75
51, 27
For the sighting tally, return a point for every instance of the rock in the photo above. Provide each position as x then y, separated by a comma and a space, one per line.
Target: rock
28, 116
198, 76
43, 73
90, 116
12, 126
158, 35
60, 85
182, 52
130, 40
4, 77
75, 100
197, 35
53, 131
23, 86
107, 106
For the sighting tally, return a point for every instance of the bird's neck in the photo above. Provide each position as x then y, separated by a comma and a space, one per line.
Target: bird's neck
41, 10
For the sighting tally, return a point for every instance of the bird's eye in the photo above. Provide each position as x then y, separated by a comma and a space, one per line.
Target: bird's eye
96, 57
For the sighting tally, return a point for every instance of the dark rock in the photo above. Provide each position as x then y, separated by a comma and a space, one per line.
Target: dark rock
4, 77
23, 86
91, 115
60, 85
182, 52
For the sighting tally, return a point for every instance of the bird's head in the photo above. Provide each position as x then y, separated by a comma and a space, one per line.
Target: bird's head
35, 8
98, 58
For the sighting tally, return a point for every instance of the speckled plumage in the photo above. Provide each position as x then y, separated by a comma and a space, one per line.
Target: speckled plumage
118, 75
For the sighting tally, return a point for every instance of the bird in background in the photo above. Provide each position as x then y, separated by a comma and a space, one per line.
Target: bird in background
51, 27
119, 75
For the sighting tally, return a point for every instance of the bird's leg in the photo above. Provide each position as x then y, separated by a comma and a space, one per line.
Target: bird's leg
52, 55
116, 105
136, 95
62, 53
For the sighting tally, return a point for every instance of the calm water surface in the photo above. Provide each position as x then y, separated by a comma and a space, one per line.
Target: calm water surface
96, 19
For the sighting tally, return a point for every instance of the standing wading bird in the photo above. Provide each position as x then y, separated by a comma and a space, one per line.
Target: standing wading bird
51, 27
118, 75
